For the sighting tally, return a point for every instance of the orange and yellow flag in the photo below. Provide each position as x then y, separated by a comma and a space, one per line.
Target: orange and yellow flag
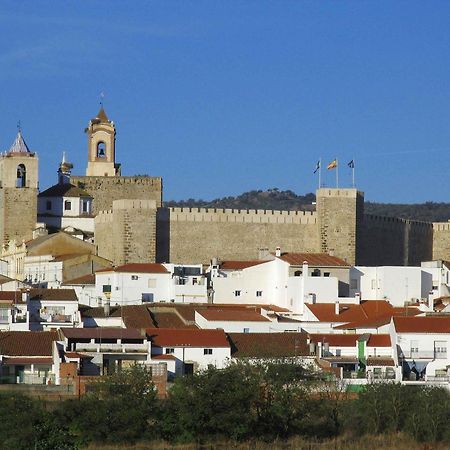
333, 164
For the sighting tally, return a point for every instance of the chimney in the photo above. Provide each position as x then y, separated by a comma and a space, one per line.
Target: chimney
107, 308
358, 297
305, 269
336, 308
431, 301
278, 251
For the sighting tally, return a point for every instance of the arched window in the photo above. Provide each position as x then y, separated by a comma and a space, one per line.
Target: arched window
21, 176
101, 150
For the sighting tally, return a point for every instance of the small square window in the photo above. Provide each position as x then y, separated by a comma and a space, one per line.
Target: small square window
134, 277
207, 351
170, 350
246, 330
237, 293
67, 205
259, 293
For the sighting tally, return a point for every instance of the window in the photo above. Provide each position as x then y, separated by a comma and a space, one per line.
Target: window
101, 150
48, 205
298, 273
259, 293
326, 274
21, 180
106, 288
374, 284
316, 273
440, 349
207, 351
414, 346
134, 277
237, 293
85, 206
246, 330
170, 350
67, 205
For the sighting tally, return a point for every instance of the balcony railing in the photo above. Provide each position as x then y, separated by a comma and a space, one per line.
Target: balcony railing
438, 379
111, 348
408, 354
56, 318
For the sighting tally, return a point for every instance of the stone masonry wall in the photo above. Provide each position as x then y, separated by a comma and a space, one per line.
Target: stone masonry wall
339, 213
441, 241
127, 233
393, 241
18, 213
198, 234
105, 190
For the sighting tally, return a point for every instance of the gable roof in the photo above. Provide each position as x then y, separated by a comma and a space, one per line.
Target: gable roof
137, 268
268, 345
187, 337
27, 343
240, 265
313, 259
56, 244
427, 324
64, 190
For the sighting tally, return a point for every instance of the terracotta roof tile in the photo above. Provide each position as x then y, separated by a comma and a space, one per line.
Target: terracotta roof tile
380, 361
64, 190
137, 268
27, 343
25, 361
53, 295
313, 259
85, 279
428, 324
170, 337
268, 345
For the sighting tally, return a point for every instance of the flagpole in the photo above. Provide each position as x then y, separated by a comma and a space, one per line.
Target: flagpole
320, 170
337, 173
353, 174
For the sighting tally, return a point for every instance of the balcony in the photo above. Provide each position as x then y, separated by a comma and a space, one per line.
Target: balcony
412, 354
110, 348
55, 318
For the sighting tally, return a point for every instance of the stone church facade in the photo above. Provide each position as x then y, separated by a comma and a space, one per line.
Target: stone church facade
132, 225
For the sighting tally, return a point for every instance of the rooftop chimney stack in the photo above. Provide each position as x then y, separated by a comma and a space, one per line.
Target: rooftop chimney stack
336, 308
278, 252
305, 269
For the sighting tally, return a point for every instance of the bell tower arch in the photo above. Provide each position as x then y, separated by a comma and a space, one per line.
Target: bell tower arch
101, 147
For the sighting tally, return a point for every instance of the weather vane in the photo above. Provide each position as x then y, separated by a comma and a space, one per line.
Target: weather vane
19, 127
102, 96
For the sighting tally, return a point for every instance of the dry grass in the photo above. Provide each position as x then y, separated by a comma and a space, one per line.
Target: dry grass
386, 442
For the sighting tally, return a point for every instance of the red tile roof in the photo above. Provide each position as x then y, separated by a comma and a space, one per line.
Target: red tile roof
268, 345
244, 315
240, 265
53, 295
172, 337
27, 343
25, 361
428, 324
137, 268
10, 295
380, 361
164, 357
85, 279
313, 259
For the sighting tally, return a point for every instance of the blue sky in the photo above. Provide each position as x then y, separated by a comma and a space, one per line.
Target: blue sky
221, 97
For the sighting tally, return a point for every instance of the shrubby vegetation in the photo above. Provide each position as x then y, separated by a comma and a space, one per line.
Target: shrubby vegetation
244, 402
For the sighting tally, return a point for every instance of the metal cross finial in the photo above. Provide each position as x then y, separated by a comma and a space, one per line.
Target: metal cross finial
102, 96
19, 127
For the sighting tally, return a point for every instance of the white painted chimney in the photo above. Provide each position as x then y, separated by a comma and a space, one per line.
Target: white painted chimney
336, 308
278, 252
358, 297
431, 301
305, 269
107, 308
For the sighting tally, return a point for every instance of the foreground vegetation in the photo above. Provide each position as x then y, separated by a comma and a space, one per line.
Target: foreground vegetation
243, 406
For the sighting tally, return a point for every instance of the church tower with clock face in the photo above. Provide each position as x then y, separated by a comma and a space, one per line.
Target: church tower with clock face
101, 147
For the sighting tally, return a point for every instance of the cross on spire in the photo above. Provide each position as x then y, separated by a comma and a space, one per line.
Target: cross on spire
19, 127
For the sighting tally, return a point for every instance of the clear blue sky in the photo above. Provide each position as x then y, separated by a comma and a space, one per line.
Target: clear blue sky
221, 97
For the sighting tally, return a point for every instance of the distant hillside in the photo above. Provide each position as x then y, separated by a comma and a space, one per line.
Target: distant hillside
288, 200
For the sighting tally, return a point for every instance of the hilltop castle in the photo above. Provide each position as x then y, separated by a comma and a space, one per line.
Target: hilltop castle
131, 224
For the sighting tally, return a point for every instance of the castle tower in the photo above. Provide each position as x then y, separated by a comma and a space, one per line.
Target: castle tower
101, 147
18, 192
340, 214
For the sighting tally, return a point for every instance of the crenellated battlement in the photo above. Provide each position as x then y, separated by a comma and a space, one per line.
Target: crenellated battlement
396, 221
242, 216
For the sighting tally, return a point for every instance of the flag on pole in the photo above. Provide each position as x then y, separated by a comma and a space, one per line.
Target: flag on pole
333, 164
351, 164
317, 166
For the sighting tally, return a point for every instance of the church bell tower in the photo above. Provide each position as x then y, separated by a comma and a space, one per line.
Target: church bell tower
101, 147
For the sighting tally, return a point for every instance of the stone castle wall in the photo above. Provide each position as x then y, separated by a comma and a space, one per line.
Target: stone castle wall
394, 241
195, 235
441, 240
127, 233
105, 190
18, 208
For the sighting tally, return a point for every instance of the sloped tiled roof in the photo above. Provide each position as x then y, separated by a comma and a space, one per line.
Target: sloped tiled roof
313, 259
64, 190
85, 279
268, 345
19, 145
428, 324
137, 268
240, 265
27, 343
171, 337
53, 295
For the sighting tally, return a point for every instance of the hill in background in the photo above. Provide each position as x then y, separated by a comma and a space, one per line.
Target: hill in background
288, 200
